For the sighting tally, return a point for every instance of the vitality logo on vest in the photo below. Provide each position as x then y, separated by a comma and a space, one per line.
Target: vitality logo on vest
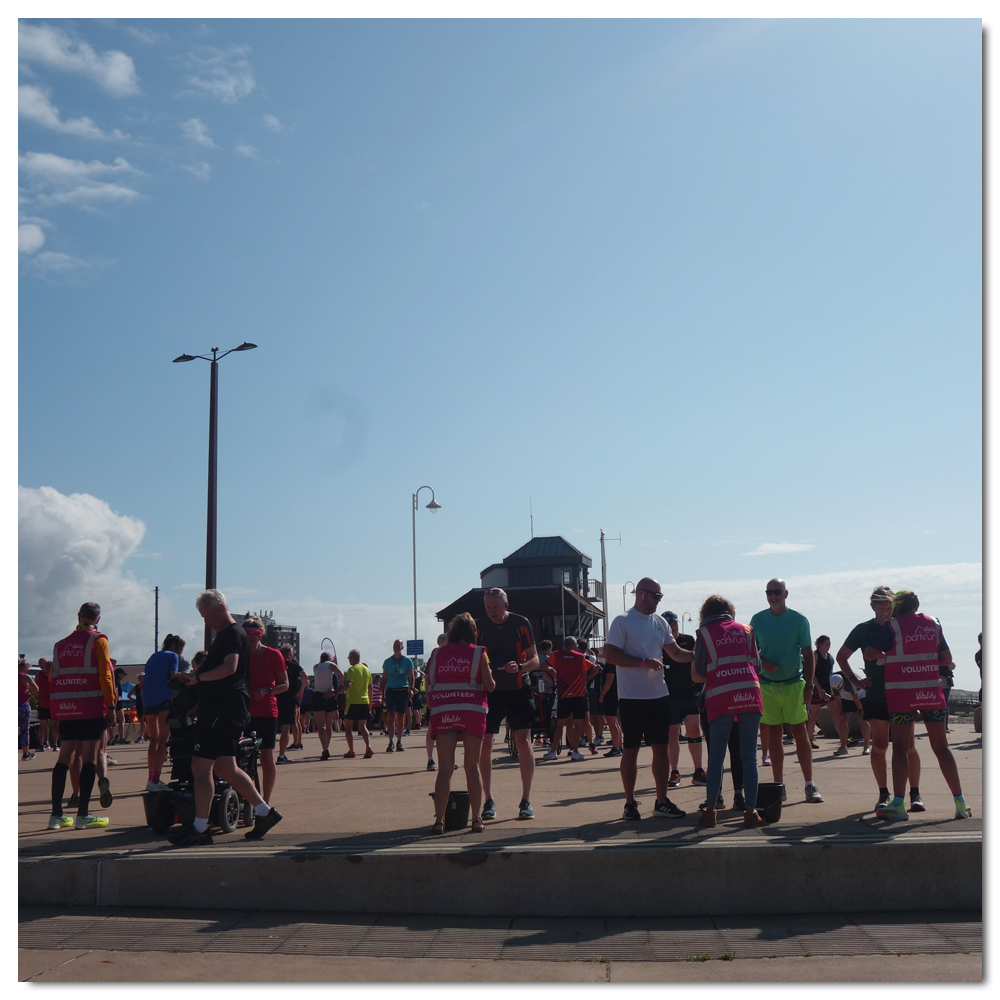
741, 697
925, 694
450, 719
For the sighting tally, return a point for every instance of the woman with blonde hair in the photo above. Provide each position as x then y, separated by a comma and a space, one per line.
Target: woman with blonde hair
458, 680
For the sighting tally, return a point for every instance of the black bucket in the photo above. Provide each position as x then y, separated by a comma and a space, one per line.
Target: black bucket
769, 800
456, 813
159, 809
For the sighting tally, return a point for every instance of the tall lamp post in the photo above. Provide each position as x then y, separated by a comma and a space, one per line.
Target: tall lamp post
686, 615
213, 443
433, 505
624, 590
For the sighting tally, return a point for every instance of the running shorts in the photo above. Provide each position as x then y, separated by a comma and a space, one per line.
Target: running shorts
396, 699
323, 702
163, 706
905, 718
215, 737
644, 719
82, 729
517, 707
266, 727
681, 707
577, 707
358, 713
783, 703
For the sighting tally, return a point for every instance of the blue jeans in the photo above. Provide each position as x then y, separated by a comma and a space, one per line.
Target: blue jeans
748, 724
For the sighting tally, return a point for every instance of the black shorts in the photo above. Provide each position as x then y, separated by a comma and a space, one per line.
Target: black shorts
644, 719
609, 706
577, 707
876, 710
163, 706
215, 737
44, 713
849, 706
266, 727
358, 713
681, 706
594, 703
82, 729
286, 712
517, 707
323, 702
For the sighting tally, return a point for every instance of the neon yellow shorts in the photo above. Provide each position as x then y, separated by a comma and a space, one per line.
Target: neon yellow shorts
783, 703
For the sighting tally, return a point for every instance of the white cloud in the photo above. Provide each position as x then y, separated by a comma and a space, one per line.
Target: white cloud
114, 71
196, 130
145, 35
63, 268
203, 170
245, 149
56, 180
29, 237
34, 105
777, 548
221, 73
273, 123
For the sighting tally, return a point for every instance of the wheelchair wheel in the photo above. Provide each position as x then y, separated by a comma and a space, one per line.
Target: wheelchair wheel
229, 810
511, 745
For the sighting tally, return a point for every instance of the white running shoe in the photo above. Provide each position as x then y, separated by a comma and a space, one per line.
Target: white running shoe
551, 755
576, 755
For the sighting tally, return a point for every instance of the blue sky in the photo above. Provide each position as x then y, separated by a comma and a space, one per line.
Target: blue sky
714, 286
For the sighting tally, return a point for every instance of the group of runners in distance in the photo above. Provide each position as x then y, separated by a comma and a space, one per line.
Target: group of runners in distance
730, 686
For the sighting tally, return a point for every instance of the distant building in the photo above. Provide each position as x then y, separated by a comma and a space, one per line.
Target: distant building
546, 580
275, 635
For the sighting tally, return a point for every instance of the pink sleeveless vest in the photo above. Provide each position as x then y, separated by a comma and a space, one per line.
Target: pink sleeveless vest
731, 684
912, 674
75, 691
455, 698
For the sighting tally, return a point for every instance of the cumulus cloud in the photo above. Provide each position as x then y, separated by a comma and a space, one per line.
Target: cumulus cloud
220, 73
63, 268
273, 123
57, 180
33, 104
195, 130
145, 35
778, 548
113, 71
245, 149
29, 237
203, 170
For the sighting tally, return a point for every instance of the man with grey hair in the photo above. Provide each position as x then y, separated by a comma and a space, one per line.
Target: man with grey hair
223, 680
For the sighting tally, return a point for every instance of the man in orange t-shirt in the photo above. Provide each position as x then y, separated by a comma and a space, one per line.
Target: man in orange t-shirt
571, 670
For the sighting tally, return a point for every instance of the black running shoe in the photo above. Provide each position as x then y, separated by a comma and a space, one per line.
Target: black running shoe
325, 755
667, 808
263, 824
739, 803
631, 811
883, 800
614, 752
188, 836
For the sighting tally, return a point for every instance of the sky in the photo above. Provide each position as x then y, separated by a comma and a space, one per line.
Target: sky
714, 286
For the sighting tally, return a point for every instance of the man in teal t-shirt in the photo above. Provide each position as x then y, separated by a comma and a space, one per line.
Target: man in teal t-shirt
397, 680
786, 685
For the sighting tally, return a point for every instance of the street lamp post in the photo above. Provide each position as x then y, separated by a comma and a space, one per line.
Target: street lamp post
213, 447
624, 589
433, 505
686, 615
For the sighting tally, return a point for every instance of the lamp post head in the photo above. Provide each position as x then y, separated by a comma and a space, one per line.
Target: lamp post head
433, 505
184, 357
245, 346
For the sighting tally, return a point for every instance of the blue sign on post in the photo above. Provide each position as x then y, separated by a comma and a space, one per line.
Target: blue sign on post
414, 647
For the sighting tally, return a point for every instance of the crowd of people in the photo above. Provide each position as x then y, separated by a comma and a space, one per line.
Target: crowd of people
736, 687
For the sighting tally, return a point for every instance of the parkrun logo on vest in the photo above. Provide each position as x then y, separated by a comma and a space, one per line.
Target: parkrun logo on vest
730, 637
922, 633
450, 718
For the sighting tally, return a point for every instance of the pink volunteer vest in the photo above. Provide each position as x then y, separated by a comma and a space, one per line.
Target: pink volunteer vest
731, 684
75, 691
912, 675
455, 697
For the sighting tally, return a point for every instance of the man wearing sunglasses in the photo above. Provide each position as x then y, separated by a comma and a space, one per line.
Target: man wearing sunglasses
636, 644
786, 685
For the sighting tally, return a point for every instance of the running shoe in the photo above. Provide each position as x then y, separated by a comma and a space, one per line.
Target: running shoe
814, 744
489, 810
406, 732
524, 810
391, 748
282, 759
667, 808
598, 741
262, 824
614, 752
112, 741
369, 753
110, 759
674, 780
60, 822
551, 755
720, 803
89, 822
593, 748
788, 741
917, 803
631, 811
431, 766
576, 755
867, 752
583, 741
889, 811
739, 803
699, 777
766, 761
325, 755
188, 836
883, 800
28, 756
965, 813
812, 794
840, 752
73, 802
399, 744
350, 753
154, 786
105, 789
784, 794
124, 742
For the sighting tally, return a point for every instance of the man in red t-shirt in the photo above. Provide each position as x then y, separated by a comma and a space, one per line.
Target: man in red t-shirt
571, 670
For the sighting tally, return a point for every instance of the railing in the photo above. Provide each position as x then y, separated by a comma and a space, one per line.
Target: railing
595, 590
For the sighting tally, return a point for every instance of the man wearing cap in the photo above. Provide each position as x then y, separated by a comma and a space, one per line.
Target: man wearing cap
786, 685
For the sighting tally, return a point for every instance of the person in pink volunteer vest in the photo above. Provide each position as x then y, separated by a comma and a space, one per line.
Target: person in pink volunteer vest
726, 659
458, 680
913, 648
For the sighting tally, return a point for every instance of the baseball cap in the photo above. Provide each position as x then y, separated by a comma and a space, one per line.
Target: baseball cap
670, 616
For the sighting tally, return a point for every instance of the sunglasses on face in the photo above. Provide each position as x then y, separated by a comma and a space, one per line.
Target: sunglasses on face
774, 593
652, 593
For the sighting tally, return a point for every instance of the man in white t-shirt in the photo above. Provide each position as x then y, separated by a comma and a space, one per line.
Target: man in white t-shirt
636, 644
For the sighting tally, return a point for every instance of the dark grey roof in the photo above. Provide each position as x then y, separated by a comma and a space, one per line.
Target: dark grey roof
547, 547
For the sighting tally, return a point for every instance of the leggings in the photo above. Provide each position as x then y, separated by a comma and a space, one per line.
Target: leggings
747, 723
735, 757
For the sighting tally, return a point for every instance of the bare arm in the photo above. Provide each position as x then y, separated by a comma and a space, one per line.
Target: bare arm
808, 672
486, 675
608, 681
303, 683
282, 684
678, 654
843, 655
621, 659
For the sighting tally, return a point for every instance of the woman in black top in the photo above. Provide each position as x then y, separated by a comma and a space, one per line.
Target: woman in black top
821, 692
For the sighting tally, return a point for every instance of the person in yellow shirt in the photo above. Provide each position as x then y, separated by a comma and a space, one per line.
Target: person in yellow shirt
359, 698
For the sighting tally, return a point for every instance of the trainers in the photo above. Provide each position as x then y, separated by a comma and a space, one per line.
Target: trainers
917, 803
889, 811
593, 748
369, 753
431, 766
406, 732
89, 822
350, 753
867, 752
674, 780
812, 794
28, 756
155, 786
883, 800
667, 808
73, 802
60, 822
110, 759
391, 748
124, 742
598, 741
551, 755
104, 785
112, 741
524, 810
583, 741
814, 744
965, 813
784, 794
262, 824
739, 803
699, 777
766, 761
631, 811
614, 752
788, 741
282, 759
325, 755
489, 810
840, 752
188, 836
399, 744
576, 755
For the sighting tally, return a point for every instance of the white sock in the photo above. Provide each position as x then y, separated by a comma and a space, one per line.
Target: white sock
261, 810
200, 825
810, 784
